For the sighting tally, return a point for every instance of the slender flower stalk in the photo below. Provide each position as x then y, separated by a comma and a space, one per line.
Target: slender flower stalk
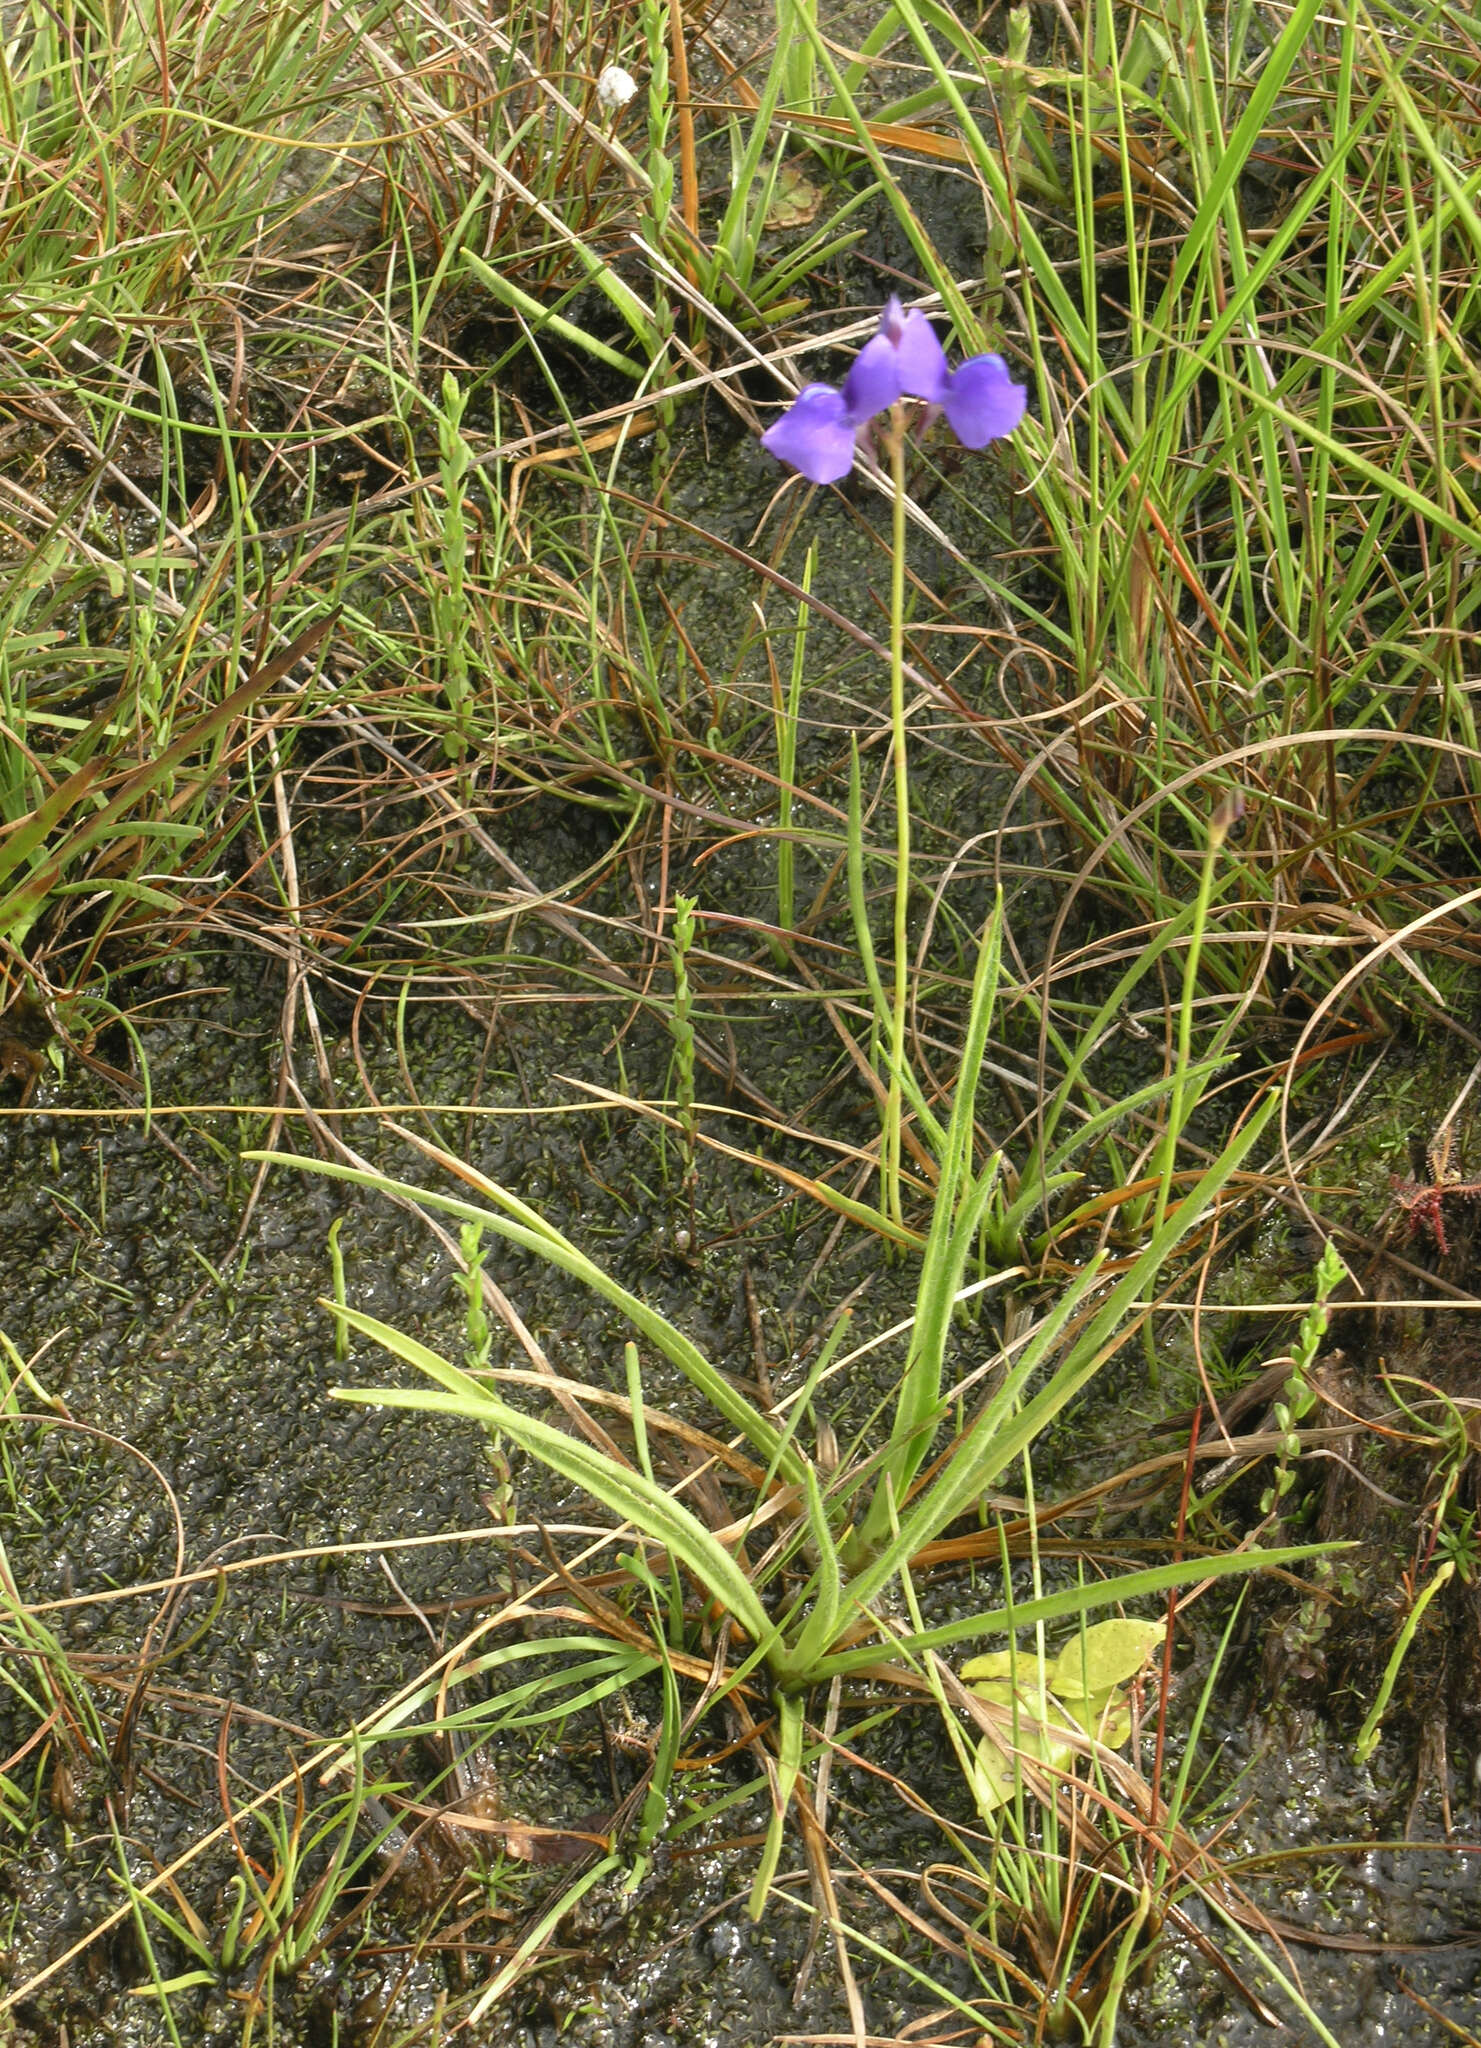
818, 435
890, 1161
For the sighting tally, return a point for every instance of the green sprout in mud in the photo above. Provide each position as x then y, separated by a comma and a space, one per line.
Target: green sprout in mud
681, 1030
1456, 1542
1298, 1396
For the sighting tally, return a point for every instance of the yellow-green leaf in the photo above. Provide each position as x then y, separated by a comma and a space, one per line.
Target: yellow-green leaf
1105, 1716
1039, 1733
996, 1664
994, 1775
1104, 1656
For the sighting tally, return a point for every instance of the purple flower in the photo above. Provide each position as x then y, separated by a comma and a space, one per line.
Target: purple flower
981, 401
818, 432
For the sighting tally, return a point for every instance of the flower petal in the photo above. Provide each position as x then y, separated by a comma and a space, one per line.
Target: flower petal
892, 320
982, 402
923, 372
815, 434
873, 383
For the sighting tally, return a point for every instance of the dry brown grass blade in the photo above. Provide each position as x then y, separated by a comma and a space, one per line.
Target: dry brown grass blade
815, 1846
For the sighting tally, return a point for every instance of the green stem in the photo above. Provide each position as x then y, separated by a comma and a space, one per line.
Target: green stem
890, 1148
787, 716
1183, 1098
1367, 1740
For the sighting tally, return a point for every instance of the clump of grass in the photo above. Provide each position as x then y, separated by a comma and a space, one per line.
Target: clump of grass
840, 1532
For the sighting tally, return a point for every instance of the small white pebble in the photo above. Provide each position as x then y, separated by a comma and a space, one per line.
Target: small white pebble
615, 88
